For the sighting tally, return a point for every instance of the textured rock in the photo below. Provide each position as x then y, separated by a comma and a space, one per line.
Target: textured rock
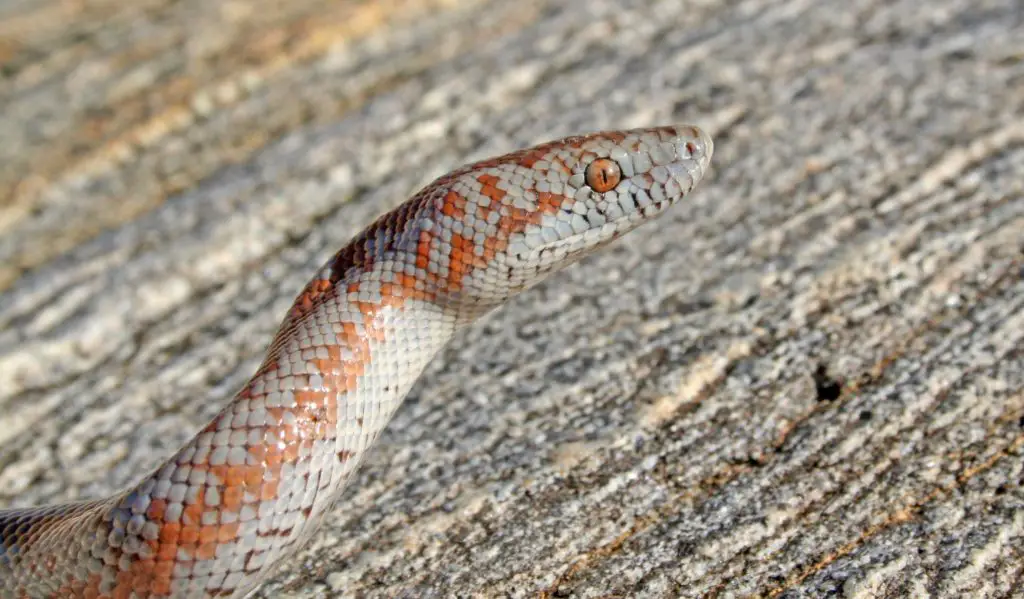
807, 382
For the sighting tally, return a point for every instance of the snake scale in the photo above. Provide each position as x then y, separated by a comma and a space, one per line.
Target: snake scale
250, 487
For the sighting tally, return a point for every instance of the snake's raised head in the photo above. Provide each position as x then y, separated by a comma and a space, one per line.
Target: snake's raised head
497, 227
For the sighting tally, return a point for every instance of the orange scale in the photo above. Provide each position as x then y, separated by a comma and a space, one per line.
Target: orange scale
142, 569
167, 552
163, 568
192, 514
269, 491
253, 476
207, 533
125, 584
232, 498
156, 509
307, 397
227, 532
206, 551
291, 451
162, 585
170, 532
189, 534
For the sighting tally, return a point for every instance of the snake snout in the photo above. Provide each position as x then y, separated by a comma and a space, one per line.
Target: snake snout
701, 148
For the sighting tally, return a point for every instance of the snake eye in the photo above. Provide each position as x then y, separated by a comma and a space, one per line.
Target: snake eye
603, 175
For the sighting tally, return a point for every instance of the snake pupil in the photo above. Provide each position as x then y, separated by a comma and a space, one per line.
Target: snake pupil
603, 175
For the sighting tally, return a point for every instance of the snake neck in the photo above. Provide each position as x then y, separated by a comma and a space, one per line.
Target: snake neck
260, 477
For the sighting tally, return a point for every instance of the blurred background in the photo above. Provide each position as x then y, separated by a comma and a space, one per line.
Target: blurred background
807, 381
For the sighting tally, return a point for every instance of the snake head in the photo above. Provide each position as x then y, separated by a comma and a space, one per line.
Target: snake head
500, 226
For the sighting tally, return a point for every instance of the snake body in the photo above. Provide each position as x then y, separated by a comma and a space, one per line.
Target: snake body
250, 487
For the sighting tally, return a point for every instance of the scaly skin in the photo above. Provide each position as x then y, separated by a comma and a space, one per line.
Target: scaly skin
217, 517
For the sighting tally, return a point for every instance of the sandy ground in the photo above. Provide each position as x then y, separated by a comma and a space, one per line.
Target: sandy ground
808, 381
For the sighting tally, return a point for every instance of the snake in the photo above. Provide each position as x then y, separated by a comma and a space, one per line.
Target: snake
253, 485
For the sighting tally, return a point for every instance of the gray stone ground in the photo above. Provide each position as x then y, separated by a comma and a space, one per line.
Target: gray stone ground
807, 382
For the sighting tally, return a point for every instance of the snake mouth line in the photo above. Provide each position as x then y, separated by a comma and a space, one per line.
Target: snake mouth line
596, 238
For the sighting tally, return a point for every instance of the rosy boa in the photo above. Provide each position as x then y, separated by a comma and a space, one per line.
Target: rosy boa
250, 487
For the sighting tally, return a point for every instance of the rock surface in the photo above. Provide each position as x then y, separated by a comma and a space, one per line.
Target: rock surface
809, 381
